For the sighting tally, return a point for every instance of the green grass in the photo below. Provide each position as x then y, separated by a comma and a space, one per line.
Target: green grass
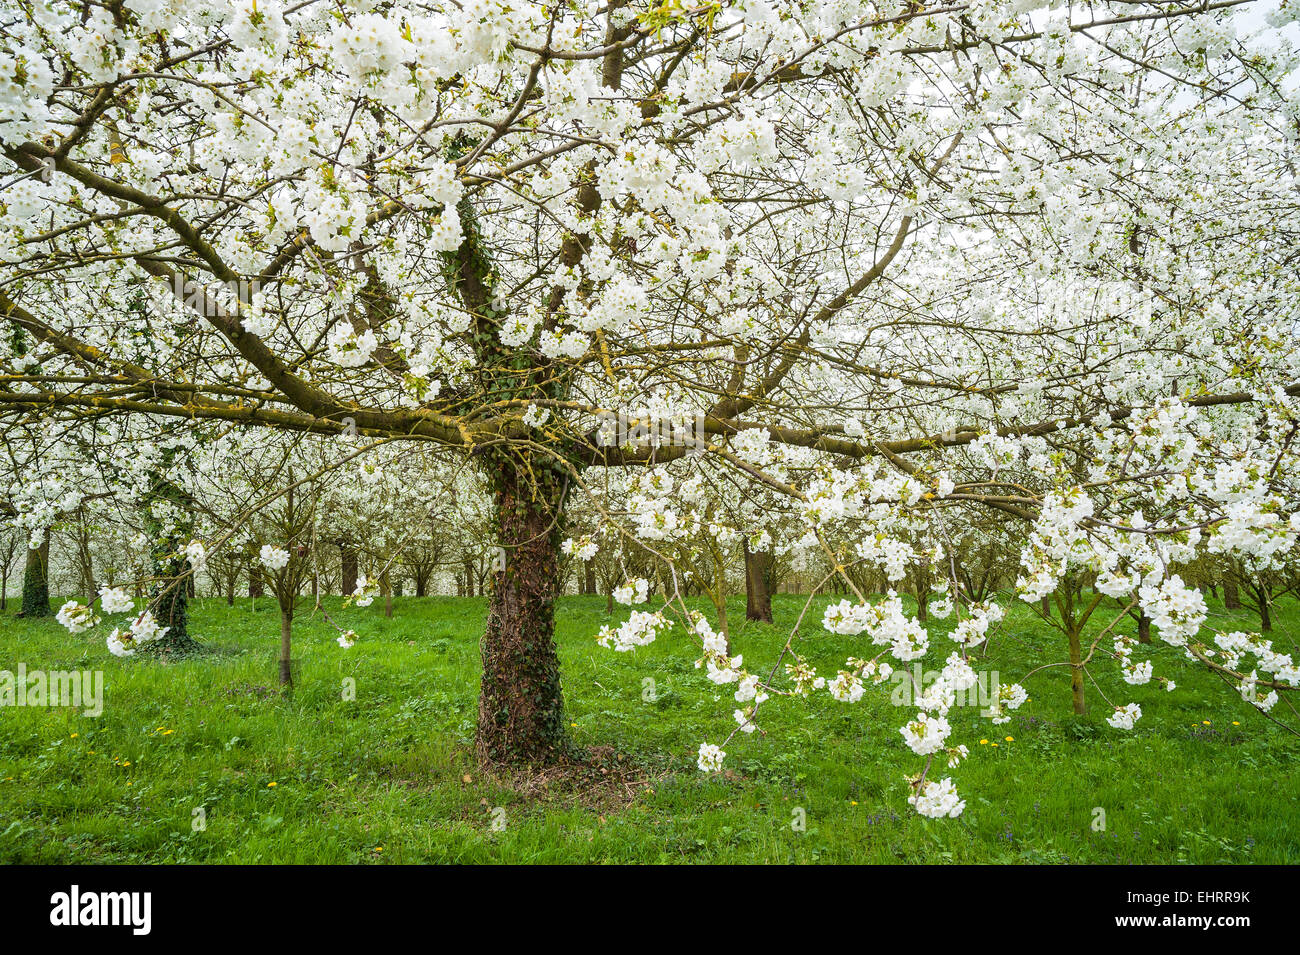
390, 769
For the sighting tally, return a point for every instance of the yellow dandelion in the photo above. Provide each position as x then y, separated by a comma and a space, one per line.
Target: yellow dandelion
984, 742
73, 736
1011, 739
1205, 722
1235, 723
271, 785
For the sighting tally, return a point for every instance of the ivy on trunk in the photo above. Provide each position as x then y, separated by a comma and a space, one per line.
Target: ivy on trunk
168, 521
521, 704
36, 582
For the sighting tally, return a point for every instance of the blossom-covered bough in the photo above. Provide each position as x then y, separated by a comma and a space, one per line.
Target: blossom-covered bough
890, 263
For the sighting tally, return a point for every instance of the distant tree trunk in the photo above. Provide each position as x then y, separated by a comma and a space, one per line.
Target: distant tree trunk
1046, 604
286, 642
469, 577
230, 588
6, 565
421, 584
349, 561
609, 601
591, 580
86, 562
255, 588
1265, 609
1144, 628
387, 587
758, 584
36, 581
1231, 600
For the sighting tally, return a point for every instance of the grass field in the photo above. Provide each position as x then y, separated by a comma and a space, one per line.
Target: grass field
390, 776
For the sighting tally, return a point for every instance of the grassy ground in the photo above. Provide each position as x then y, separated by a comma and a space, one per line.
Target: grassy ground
390, 775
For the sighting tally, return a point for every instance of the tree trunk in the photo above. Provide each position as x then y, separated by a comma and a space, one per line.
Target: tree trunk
590, 579
86, 562
169, 602
168, 522
1076, 672
286, 642
349, 560
469, 577
387, 587
521, 706
1265, 612
1144, 628
36, 581
1231, 601
255, 588
758, 584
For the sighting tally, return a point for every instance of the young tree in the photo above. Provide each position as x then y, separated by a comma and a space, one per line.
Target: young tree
9, 548
287, 565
